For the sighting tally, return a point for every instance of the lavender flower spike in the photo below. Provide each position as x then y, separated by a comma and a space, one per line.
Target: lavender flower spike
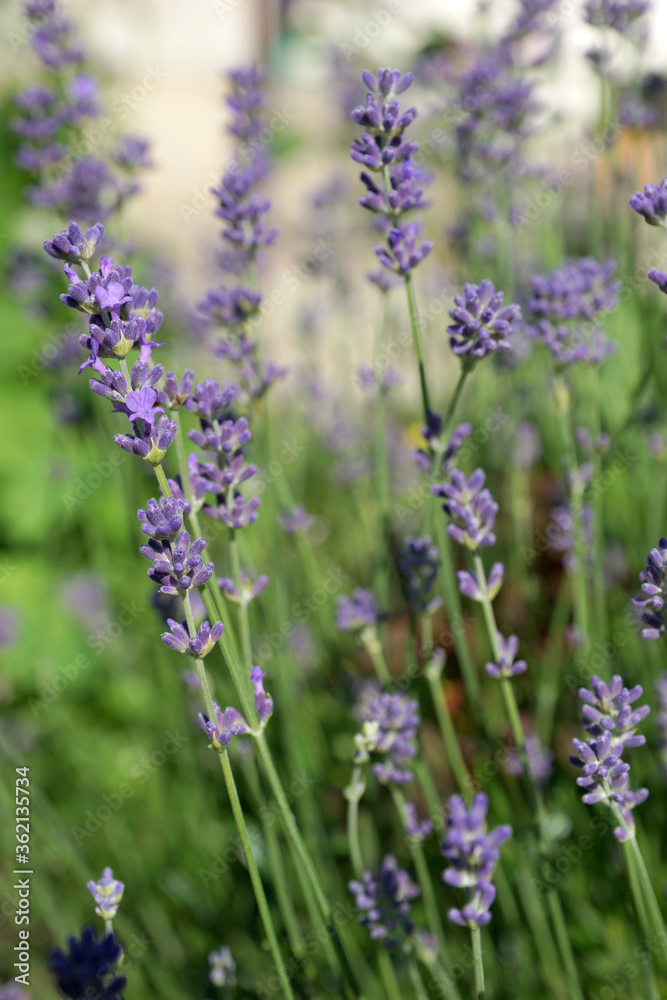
74, 246
227, 724
472, 854
506, 666
654, 587
481, 323
390, 723
356, 612
652, 203
607, 708
386, 898
197, 646
107, 893
471, 509
162, 518
263, 701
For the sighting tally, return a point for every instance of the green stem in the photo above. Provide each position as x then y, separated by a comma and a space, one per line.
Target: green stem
416, 979
388, 975
373, 647
239, 819
162, 480
433, 674
453, 403
416, 339
382, 467
353, 798
480, 991
246, 647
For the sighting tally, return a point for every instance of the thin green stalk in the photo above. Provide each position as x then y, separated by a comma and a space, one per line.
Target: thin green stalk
453, 403
416, 979
162, 480
652, 906
373, 647
382, 465
353, 795
534, 794
239, 819
480, 990
246, 647
388, 975
416, 340
433, 673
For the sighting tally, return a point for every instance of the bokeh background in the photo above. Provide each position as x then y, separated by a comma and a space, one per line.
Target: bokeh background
89, 697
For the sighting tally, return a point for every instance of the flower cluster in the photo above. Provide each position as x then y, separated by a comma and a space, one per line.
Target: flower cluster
88, 969
652, 203
232, 305
386, 898
389, 729
199, 645
611, 722
470, 508
230, 722
52, 116
654, 589
540, 760
385, 152
565, 307
418, 562
107, 893
123, 317
481, 324
472, 854
357, 612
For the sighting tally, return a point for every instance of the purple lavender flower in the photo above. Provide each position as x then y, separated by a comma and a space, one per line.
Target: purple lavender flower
579, 289
570, 344
197, 646
357, 612
470, 586
107, 893
386, 898
472, 854
540, 760
162, 518
506, 666
561, 534
208, 401
297, 521
235, 513
471, 509
481, 323
132, 152
150, 443
389, 728
414, 827
227, 724
263, 701
177, 565
174, 394
250, 589
654, 588
447, 449
652, 203
383, 149
223, 967
617, 14
141, 405
607, 708
418, 562
661, 718
72, 245
610, 722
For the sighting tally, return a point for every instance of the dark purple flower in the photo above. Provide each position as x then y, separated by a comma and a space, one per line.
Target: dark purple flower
414, 827
506, 666
149, 443
386, 897
580, 289
88, 969
418, 562
471, 509
174, 395
405, 250
481, 323
227, 724
209, 402
356, 612
237, 514
472, 854
132, 152
198, 646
